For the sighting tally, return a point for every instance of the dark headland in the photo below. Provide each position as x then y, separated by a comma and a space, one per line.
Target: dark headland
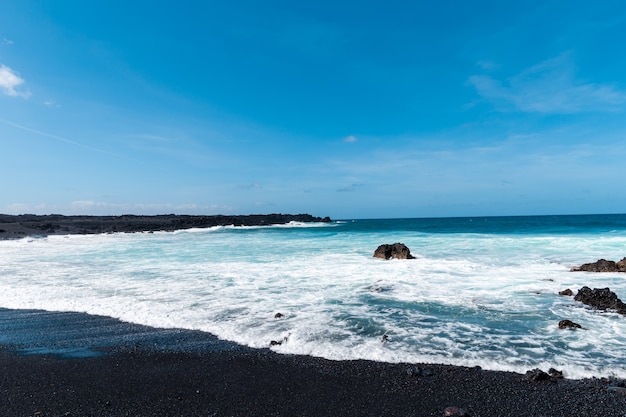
18, 226
74, 364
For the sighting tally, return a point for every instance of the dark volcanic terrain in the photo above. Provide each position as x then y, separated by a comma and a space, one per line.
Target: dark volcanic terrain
15, 227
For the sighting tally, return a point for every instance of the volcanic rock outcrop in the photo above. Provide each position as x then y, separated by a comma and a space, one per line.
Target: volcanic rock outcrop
23, 225
602, 265
568, 324
601, 299
397, 250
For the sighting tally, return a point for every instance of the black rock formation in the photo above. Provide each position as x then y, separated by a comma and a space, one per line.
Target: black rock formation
397, 250
601, 299
537, 375
602, 265
568, 324
56, 224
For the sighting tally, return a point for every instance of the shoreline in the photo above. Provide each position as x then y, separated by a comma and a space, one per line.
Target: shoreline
64, 363
31, 225
75, 364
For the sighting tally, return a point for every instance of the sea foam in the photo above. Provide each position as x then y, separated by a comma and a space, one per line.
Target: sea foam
470, 299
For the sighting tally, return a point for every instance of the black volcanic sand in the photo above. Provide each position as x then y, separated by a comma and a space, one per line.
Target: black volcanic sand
13, 227
73, 364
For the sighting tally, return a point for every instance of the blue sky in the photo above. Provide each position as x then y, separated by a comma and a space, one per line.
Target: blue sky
347, 109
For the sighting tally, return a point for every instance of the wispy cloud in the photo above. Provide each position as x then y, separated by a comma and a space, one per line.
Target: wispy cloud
92, 207
51, 103
6, 41
250, 186
59, 138
153, 138
349, 188
350, 139
10, 81
550, 87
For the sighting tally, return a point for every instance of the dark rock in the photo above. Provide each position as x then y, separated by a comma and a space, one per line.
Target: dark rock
567, 292
415, 371
602, 265
568, 324
279, 342
397, 250
537, 375
30, 224
455, 412
601, 299
618, 385
279, 315
555, 373
621, 265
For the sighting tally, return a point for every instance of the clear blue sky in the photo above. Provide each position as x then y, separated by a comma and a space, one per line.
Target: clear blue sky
348, 109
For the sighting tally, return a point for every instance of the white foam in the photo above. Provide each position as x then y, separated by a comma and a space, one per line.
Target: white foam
466, 300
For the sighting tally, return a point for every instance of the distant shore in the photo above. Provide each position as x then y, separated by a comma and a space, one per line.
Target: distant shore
19, 226
74, 364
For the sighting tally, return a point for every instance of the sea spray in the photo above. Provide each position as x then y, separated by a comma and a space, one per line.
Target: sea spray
480, 291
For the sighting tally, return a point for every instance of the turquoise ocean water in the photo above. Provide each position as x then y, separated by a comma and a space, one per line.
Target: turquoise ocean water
481, 291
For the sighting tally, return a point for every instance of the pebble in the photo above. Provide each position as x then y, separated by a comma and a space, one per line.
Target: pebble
455, 412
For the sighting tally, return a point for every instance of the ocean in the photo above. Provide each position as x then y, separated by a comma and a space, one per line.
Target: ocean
482, 291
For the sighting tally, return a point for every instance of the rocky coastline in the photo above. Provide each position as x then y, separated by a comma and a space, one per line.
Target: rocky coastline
23, 225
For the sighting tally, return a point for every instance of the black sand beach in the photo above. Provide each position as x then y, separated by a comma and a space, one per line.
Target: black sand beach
74, 364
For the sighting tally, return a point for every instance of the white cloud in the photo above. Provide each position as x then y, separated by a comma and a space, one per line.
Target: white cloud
90, 207
106, 208
9, 81
7, 41
51, 103
550, 87
350, 139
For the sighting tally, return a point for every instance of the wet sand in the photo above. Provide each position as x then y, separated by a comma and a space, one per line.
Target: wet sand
73, 364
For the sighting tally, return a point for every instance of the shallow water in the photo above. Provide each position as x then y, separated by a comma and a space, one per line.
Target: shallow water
482, 291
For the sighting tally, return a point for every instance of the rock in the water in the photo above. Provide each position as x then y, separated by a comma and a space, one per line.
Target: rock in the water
602, 265
279, 315
568, 324
279, 342
567, 292
397, 250
601, 299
